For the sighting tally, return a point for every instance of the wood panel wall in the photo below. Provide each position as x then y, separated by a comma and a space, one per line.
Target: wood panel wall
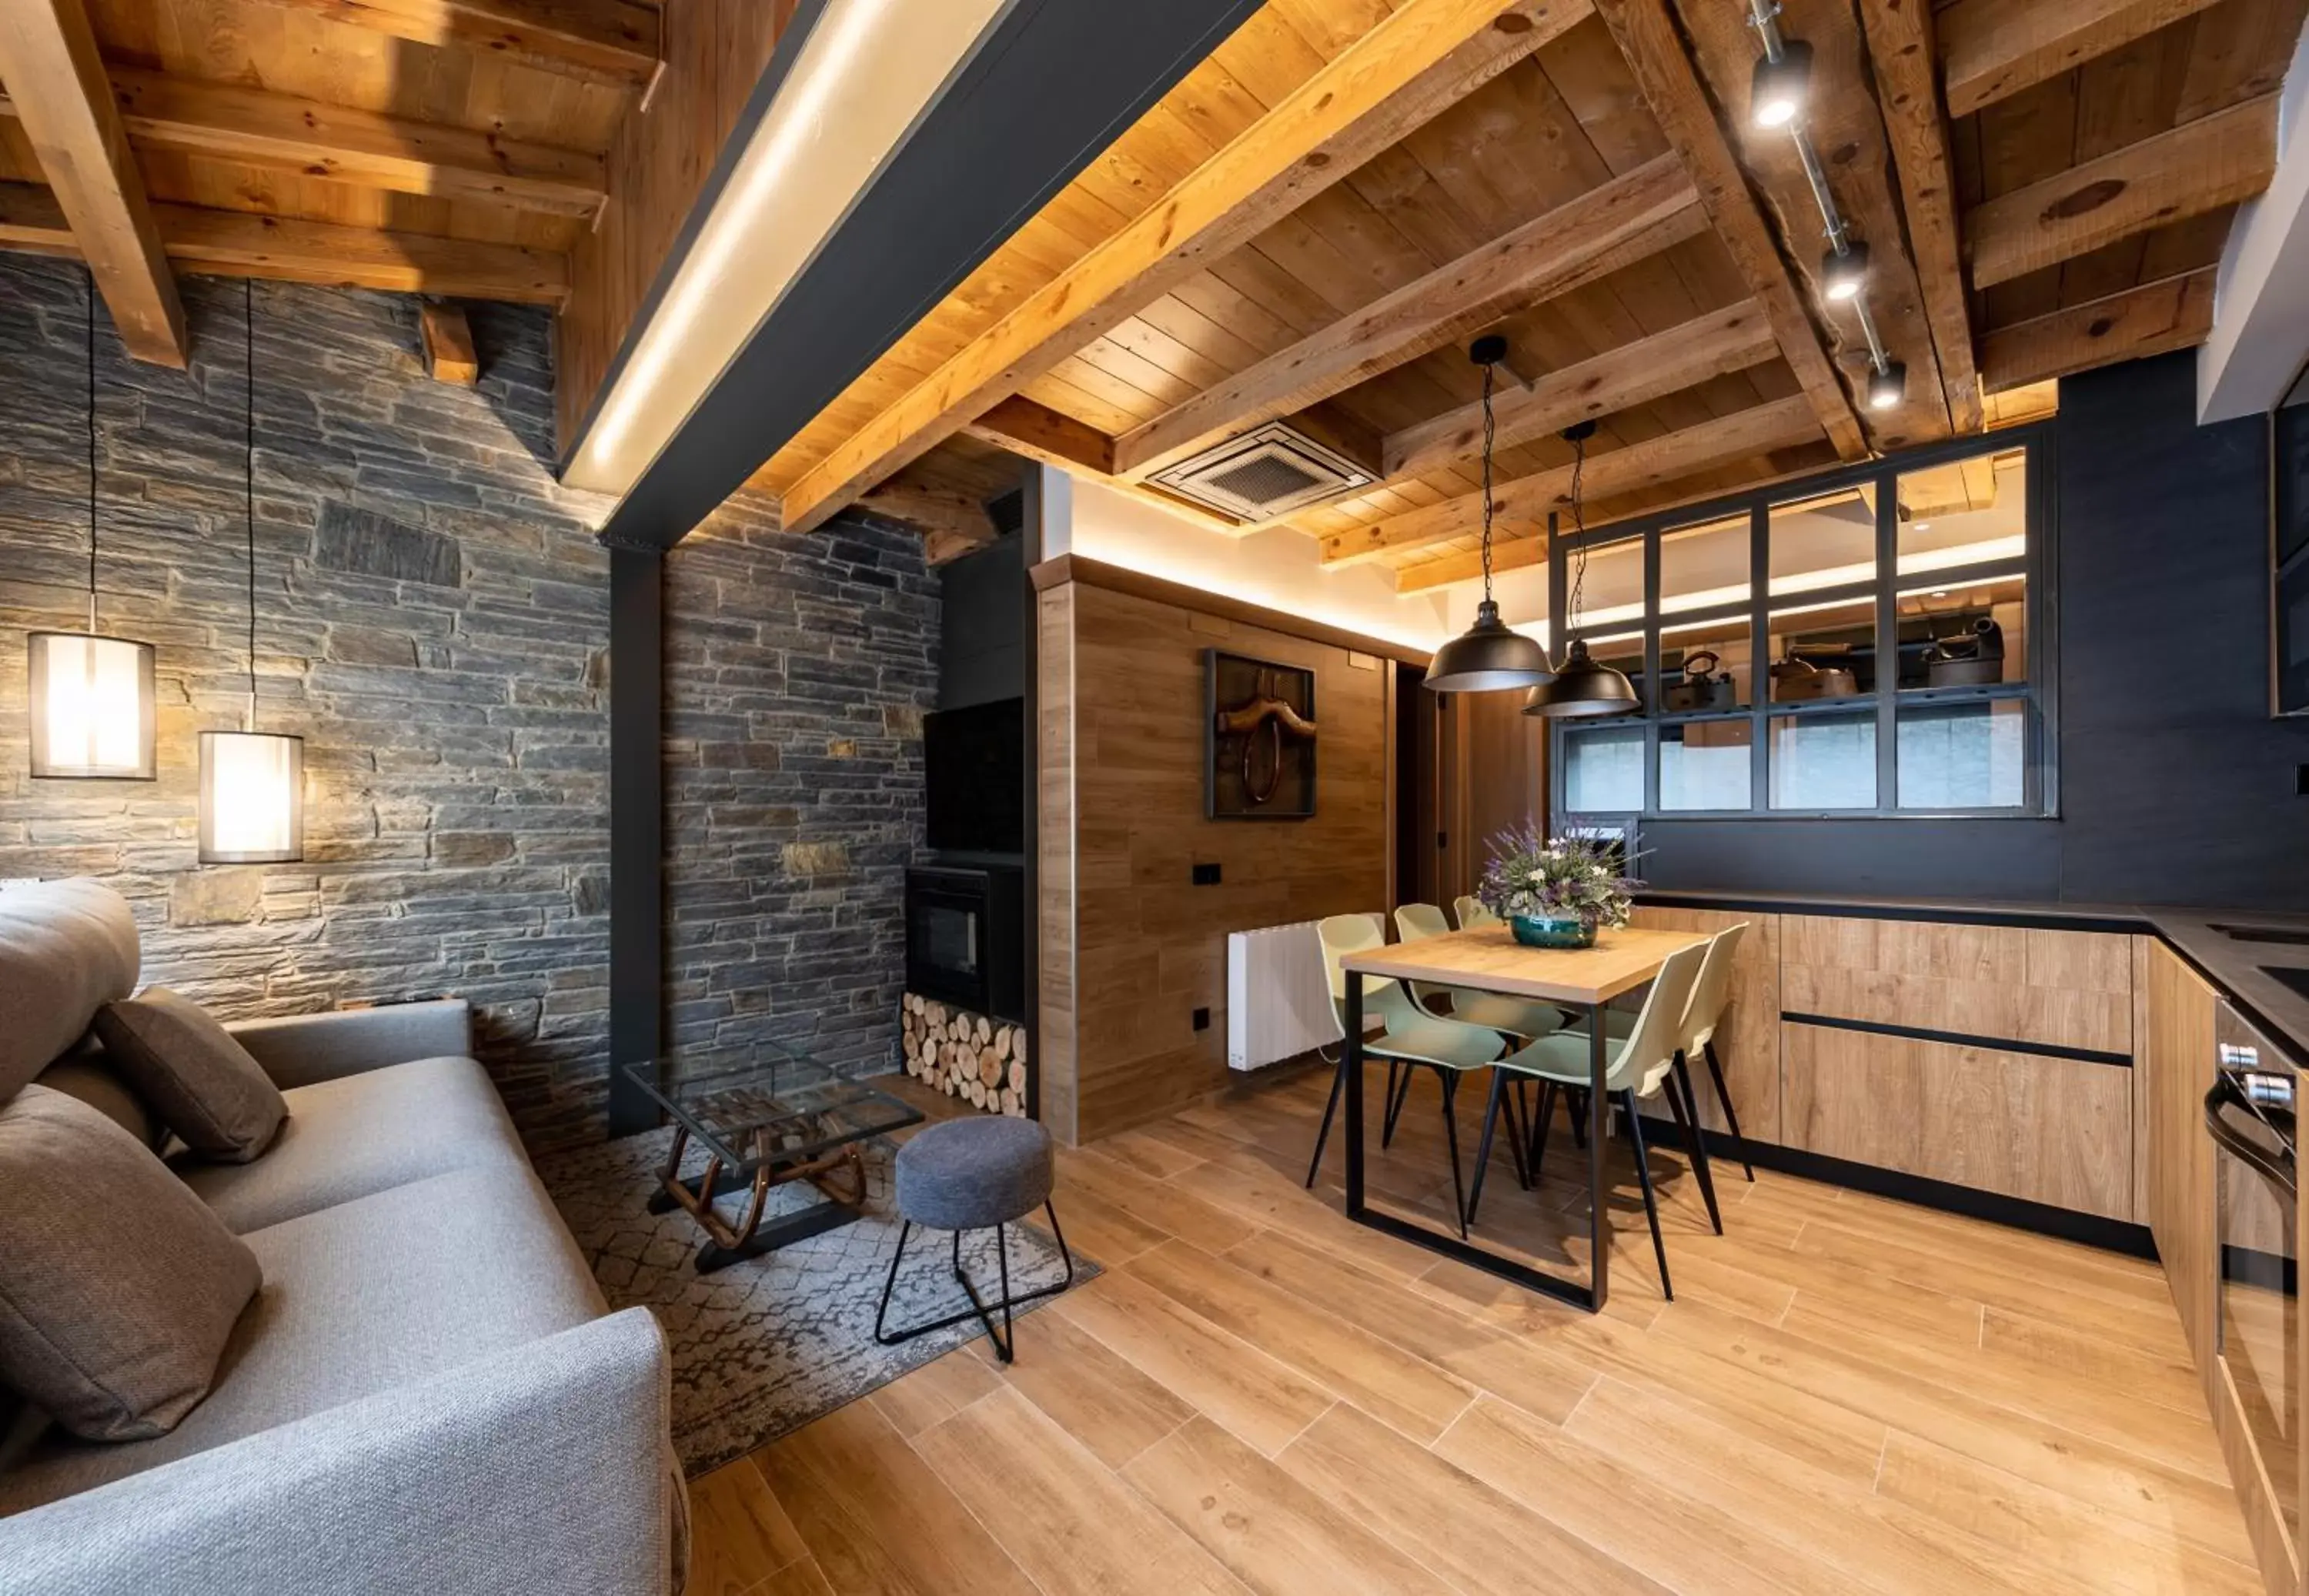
715, 54
1135, 948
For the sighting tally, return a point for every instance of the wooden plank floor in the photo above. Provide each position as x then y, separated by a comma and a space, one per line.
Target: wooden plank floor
1846, 1395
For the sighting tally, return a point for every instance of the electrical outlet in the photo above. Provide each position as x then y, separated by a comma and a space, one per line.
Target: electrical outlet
1202, 1019
1207, 876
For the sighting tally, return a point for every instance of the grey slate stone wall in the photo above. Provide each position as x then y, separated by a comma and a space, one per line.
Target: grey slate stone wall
433, 616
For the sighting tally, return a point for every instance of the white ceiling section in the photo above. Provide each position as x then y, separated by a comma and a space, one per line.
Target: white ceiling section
865, 76
2261, 300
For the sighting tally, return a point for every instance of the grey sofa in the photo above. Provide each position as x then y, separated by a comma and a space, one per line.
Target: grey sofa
427, 1395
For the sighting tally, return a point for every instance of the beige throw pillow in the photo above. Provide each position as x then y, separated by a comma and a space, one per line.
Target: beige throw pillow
203, 1085
118, 1288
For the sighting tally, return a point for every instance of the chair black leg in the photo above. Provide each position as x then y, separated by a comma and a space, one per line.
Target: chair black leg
1644, 1177
1575, 1102
1724, 1102
1680, 1103
1483, 1145
1451, 1078
1004, 1340
1519, 1132
1397, 1091
1338, 1083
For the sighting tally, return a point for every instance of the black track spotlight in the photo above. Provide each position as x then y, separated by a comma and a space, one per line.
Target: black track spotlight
1843, 272
1781, 86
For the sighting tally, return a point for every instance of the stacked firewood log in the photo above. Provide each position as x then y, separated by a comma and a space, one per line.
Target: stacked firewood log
966, 1055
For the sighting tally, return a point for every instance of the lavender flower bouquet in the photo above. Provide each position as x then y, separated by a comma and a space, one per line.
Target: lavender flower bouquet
1556, 892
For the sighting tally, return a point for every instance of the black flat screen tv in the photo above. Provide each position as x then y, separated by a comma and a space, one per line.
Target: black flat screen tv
974, 761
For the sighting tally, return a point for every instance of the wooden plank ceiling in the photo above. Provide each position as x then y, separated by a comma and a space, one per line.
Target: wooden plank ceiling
447, 147
1314, 224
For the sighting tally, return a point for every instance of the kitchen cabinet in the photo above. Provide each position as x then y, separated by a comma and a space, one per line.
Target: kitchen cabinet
2021, 1124
1748, 1038
2176, 1069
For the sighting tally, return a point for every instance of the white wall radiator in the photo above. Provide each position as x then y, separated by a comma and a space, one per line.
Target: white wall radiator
1278, 1000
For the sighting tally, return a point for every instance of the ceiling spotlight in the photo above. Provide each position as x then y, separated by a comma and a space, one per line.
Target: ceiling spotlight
1888, 384
1781, 85
1843, 272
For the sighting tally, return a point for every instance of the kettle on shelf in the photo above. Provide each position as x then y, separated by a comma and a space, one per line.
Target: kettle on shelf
1967, 659
1702, 686
1796, 679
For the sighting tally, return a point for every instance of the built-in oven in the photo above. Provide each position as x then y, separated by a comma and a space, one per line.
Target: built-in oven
2249, 1115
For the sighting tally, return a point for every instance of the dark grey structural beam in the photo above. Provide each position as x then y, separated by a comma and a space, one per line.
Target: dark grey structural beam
636, 827
1054, 86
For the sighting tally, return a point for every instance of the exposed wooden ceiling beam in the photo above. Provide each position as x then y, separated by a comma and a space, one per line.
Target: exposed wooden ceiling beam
1608, 226
49, 61
1647, 37
952, 522
2198, 167
1684, 355
285, 133
1527, 499
449, 339
1038, 432
1994, 49
1426, 56
2174, 312
599, 41
234, 244
1900, 46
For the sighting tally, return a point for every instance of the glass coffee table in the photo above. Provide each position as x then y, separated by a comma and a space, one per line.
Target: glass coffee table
765, 1117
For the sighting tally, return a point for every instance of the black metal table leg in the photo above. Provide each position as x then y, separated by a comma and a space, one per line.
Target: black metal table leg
1600, 1216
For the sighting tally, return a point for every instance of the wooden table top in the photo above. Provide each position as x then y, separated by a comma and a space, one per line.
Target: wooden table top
1490, 959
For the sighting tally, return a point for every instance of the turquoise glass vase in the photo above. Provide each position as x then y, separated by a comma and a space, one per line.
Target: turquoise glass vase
1557, 931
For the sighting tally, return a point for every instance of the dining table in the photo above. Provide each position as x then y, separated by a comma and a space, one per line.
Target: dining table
1489, 958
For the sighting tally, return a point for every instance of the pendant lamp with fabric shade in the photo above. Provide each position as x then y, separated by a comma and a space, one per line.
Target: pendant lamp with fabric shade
1488, 657
252, 782
1582, 687
91, 697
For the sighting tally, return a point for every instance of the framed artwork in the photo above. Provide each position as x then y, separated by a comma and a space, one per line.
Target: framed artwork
1259, 736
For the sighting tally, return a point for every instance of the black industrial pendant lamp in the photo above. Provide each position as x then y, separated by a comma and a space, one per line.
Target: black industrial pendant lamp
1581, 688
252, 781
91, 697
1488, 657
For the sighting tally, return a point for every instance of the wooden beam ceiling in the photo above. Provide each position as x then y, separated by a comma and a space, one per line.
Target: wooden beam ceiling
2175, 312
1747, 433
1604, 230
448, 341
1733, 339
2196, 168
50, 62
1040, 433
1900, 47
1993, 49
1647, 37
1423, 56
234, 243
597, 41
285, 133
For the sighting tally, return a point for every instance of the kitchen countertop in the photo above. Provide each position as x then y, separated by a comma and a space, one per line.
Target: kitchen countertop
2238, 969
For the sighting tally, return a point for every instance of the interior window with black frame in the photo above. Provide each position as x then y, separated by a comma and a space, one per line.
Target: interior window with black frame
1873, 640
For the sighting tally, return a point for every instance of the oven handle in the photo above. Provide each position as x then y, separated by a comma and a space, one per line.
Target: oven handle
2250, 1152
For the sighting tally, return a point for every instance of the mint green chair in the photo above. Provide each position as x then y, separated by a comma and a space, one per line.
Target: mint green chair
1520, 1019
1710, 996
1637, 1067
1408, 1036
1472, 911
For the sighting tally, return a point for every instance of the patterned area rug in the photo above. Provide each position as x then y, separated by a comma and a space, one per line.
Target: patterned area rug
765, 1346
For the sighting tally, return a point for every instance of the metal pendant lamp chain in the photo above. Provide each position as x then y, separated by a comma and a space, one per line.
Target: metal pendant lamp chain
248, 476
1491, 433
1578, 437
88, 279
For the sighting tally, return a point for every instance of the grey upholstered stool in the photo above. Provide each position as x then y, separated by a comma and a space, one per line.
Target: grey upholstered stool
975, 1174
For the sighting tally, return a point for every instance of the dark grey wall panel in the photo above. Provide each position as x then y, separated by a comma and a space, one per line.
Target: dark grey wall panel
2176, 787
983, 627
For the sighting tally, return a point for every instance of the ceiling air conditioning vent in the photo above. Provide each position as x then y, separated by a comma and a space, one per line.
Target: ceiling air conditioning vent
1264, 474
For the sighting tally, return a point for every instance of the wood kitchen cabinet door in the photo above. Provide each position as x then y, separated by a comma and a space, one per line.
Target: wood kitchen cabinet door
2050, 1130
2008, 983
2177, 1072
1748, 1038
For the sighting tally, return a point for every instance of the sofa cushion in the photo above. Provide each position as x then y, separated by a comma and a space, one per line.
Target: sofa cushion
66, 949
202, 1084
118, 1287
362, 1134
87, 1073
360, 1299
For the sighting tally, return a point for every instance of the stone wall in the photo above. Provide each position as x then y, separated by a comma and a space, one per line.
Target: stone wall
433, 618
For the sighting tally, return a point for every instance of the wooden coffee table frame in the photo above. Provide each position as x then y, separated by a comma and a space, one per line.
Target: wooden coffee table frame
727, 1243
